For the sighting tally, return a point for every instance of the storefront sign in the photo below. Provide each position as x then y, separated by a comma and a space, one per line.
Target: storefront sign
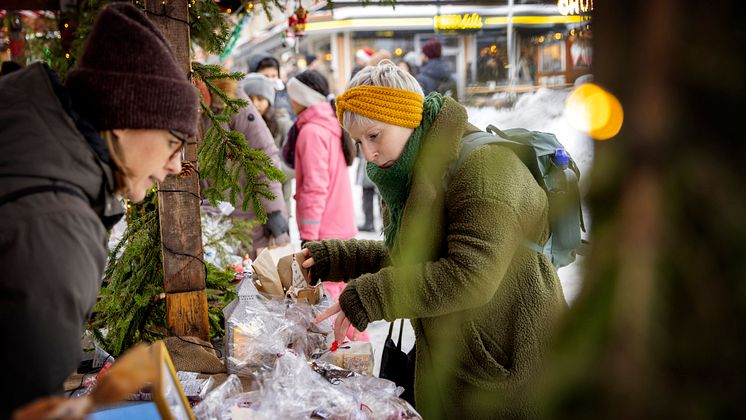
575, 7
456, 22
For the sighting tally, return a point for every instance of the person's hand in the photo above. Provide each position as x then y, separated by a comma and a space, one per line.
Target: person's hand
308, 261
341, 323
277, 224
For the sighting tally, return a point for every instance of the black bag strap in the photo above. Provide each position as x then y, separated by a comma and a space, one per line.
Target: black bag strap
391, 331
23, 192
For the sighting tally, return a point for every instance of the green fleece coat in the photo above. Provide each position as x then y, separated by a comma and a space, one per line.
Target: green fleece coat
482, 304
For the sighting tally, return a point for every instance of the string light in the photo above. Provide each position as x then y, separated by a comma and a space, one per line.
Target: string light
67, 56
595, 111
67, 26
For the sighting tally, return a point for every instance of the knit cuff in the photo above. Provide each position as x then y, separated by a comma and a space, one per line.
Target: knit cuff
320, 269
353, 307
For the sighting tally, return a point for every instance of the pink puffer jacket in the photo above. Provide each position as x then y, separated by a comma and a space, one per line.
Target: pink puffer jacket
324, 208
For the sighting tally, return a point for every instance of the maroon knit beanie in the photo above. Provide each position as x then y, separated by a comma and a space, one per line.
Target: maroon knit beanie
127, 76
432, 48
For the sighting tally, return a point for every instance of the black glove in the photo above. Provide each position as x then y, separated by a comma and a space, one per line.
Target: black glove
277, 224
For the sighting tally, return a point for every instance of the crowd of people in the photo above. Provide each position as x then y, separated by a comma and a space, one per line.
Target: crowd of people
451, 259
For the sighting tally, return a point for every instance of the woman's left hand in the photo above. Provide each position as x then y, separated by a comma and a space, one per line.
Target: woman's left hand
341, 323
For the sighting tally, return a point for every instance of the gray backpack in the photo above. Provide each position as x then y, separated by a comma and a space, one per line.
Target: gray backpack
556, 173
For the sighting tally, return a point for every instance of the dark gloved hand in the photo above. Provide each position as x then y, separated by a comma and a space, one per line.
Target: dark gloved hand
277, 224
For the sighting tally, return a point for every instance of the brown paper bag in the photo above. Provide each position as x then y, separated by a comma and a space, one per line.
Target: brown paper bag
311, 295
285, 270
265, 269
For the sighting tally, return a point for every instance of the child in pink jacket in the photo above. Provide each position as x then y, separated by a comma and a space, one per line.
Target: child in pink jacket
323, 193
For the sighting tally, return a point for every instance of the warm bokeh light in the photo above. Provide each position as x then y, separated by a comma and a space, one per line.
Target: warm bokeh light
593, 110
398, 51
328, 56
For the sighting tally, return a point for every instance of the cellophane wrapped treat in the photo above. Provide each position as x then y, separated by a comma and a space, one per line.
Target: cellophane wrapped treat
259, 328
356, 356
294, 390
216, 404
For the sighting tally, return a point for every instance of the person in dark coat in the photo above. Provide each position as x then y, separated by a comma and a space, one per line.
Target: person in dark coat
68, 152
435, 73
9, 67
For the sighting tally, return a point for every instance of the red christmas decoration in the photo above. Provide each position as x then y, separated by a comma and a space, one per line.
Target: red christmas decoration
299, 22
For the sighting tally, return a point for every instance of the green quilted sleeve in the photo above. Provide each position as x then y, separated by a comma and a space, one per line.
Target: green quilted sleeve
337, 260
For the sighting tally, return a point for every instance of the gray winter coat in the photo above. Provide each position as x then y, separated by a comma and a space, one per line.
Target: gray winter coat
434, 73
52, 244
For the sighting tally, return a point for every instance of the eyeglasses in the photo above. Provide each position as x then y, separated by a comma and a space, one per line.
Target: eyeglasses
182, 148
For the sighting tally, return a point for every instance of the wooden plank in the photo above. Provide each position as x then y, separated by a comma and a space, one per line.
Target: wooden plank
184, 314
178, 201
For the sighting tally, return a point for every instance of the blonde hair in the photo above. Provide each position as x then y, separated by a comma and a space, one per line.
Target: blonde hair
385, 74
119, 169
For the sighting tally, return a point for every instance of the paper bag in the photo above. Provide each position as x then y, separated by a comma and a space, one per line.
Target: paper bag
264, 267
285, 270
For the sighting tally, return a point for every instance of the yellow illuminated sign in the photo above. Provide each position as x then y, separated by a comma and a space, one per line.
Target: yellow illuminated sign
575, 7
452, 22
422, 22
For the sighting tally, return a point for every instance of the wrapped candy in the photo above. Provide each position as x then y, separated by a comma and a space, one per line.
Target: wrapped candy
296, 390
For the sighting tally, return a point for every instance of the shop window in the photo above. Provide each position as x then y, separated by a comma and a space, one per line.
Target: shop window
581, 53
492, 60
552, 57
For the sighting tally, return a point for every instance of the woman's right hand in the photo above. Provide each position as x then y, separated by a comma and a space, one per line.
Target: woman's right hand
308, 261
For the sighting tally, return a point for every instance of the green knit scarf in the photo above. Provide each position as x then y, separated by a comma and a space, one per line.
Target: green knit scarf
393, 182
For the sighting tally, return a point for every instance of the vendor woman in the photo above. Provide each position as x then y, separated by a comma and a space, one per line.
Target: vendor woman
68, 151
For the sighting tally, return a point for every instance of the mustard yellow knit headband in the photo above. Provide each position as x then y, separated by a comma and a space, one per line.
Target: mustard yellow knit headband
390, 105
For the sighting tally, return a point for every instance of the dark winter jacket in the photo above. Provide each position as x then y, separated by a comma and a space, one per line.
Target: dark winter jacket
52, 244
481, 303
434, 73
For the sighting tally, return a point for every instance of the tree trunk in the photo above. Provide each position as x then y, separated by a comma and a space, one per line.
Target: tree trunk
178, 201
658, 329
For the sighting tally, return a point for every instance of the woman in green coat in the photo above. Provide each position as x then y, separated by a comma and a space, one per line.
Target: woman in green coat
453, 259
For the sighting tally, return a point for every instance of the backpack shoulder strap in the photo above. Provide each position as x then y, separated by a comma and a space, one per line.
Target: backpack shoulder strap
473, 141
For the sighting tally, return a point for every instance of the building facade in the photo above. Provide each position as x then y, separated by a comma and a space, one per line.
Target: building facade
491, 46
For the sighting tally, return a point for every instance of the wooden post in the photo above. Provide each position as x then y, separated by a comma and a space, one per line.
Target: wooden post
178, 202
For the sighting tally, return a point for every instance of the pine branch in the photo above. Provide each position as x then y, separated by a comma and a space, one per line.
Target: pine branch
226, 161
208, 26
